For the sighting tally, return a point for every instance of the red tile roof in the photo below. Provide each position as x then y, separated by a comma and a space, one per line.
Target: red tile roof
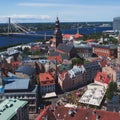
46, 112
102, 77
15, 63
63, 74
90, 40
78, 35
46, 79
67, 36
60, 113
58, 58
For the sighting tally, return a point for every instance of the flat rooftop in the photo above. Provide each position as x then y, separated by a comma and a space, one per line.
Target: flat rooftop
9, 107
93, 95
17, 84
49, 95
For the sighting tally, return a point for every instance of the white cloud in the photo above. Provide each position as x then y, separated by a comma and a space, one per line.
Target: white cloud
39, 4
25, 18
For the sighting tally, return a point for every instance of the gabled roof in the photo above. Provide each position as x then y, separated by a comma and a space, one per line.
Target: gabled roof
15, 63
57, 58
77, 35
64, 47
76, 70
90, 40
54, 53
102, 77
46, 79
45, 114
67, 36
63, 74
61, 112
26, 70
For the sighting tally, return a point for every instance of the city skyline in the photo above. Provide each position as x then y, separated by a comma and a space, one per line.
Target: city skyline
67, 11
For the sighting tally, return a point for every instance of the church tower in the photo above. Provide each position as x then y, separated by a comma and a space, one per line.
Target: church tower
57, 33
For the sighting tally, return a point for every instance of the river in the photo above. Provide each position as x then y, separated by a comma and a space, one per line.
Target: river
21, 39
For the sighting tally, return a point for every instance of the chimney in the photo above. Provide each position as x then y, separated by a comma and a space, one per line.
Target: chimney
86, 117
97, 117
93, 112
71, 112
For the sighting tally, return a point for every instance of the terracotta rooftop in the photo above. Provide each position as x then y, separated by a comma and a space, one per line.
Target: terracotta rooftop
15, 63
90, 40
58, 58
102, 77
65, 113
67, 36
46, 78
78, 35
63, 74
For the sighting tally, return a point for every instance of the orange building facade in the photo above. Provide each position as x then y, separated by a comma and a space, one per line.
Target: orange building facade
105, 51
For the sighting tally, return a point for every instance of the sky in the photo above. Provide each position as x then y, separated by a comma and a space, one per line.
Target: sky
67, 10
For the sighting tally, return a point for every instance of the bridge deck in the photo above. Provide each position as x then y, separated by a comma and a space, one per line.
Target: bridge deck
29, 34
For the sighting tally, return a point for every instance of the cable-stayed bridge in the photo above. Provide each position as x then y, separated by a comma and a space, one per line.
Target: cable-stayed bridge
17, 29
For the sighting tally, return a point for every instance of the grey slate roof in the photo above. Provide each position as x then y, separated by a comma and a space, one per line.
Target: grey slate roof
54, 54
64, 47
26, 70
91, 64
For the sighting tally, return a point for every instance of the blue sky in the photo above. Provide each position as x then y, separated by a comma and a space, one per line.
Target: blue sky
66, 10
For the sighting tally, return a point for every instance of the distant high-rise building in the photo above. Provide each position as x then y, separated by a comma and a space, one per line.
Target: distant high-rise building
57, 33
116, 23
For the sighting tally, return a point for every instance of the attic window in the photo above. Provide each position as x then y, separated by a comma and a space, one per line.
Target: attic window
47, 78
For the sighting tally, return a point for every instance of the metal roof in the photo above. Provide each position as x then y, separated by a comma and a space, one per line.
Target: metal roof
9, 107
26, 70
18, 84
64, 47
76, 70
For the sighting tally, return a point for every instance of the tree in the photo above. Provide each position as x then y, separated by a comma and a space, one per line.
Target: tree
77, 61
112, 88
26, 51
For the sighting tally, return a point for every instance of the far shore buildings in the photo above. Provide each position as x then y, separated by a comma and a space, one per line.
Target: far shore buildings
14, 109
